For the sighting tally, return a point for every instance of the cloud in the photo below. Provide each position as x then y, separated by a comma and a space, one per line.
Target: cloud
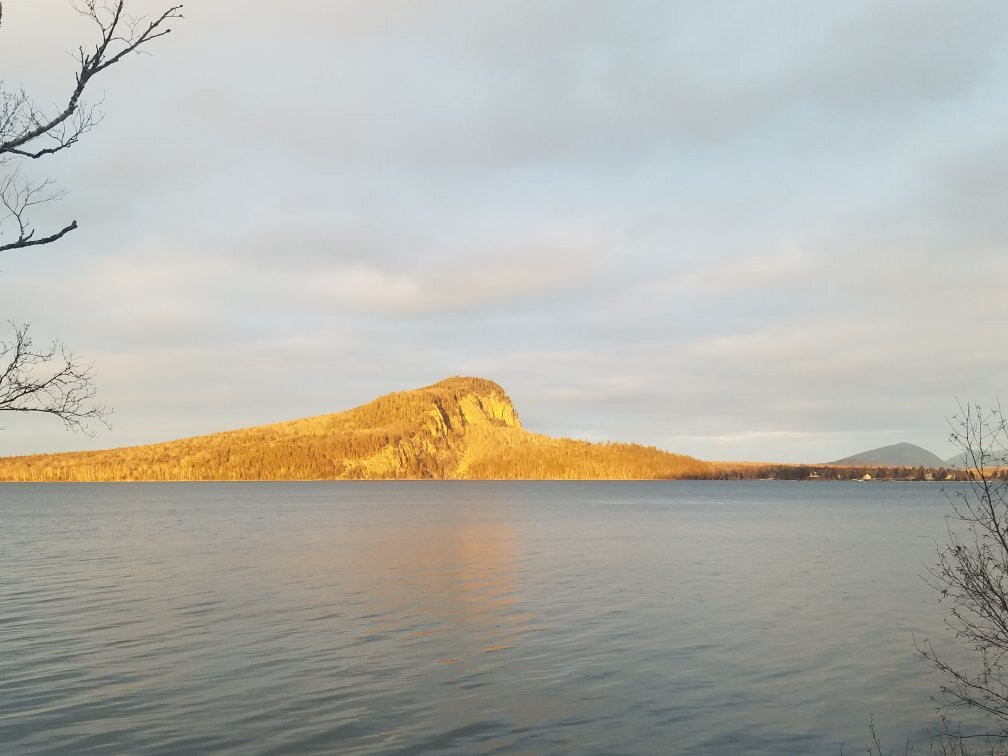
752, 231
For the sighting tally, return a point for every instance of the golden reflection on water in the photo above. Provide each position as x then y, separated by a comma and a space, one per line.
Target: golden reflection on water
452, 580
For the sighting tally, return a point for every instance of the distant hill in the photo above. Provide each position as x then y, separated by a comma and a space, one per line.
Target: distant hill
460, 428
894, 455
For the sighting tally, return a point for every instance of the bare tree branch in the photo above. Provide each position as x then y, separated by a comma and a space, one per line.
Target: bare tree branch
120, 35
17, 196
27, 131
48, 380
21, 243
53, 380
971, 576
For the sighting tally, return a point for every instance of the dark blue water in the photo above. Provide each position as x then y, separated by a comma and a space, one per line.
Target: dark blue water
683, 617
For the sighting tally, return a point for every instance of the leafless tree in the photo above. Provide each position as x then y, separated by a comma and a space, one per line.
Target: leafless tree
971, 577
53, 380
49, 380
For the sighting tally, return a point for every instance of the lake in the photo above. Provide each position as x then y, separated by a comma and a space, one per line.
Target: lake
461, 617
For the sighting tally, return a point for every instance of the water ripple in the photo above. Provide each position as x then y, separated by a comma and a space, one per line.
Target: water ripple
461, 618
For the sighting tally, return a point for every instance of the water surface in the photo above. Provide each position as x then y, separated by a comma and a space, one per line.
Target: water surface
684, 617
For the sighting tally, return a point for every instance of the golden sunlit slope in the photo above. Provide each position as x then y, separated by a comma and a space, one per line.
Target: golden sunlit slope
460, 428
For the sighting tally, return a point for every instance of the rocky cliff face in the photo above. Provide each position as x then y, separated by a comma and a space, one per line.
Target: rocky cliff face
450, 409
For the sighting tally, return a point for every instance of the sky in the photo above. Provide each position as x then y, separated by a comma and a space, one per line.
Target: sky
742, 231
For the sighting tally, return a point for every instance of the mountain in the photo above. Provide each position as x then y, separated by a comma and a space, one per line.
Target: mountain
894, 455
460, 428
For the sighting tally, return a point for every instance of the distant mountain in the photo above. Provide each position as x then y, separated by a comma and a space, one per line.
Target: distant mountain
959, 460
460, 428
894, 455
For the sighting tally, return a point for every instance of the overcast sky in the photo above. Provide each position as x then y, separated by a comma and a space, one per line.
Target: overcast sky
766, 230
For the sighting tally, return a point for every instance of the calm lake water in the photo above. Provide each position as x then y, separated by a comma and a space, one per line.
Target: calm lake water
682, 617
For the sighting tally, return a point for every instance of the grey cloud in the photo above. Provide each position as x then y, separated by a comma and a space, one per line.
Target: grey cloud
742, 231
555, 82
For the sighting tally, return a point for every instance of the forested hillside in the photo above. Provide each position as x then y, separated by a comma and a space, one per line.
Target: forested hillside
460, 428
